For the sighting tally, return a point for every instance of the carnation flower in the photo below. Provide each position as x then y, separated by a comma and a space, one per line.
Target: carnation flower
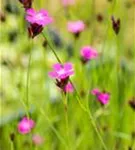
88, 53
69, 88
37, 139
76, 27
25, 125
102, 97
68, 2
37, 20
62, 73
40, 17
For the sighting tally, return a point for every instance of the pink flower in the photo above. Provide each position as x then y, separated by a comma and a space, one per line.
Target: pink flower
41, 17
62, 71
68, 2
103, 98
88, 53
76, 26
37, 139
69, 88
95, 91
25, 125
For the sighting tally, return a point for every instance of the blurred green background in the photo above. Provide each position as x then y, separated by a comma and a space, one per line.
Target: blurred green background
114, 72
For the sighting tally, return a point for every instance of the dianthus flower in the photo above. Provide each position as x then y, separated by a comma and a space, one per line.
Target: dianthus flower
69, 88
76, 27
88, 53
102, 97
37, 139
25, 125
68, 2
37, 20
62, 73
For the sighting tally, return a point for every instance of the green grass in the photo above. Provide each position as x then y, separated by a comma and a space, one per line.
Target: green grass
86, 125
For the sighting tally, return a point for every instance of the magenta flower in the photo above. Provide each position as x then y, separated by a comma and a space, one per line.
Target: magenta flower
37, 139
103, 98
88, 53
61, 71
37, 21
95, 91
69, 88
25, 125
76, 27
41, 17
68, 2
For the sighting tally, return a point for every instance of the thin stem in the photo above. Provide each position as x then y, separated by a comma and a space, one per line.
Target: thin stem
52, 48
27, 81
66, 117
52, 127
79, 100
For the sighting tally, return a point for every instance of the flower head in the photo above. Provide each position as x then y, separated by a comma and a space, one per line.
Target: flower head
69, 88
95, 91
61, 71
76, 26
88, 53
41, 17
68, 2
103, 98
25, 125
37, 139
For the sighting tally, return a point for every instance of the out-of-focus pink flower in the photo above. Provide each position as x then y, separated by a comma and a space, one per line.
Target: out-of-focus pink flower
103, 98
62, 71
41, 17
88, 53
25, 125
95, 91
37, 139
76, 26
69, 88
68, 2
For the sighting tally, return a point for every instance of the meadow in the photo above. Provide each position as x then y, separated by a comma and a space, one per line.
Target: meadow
67, 75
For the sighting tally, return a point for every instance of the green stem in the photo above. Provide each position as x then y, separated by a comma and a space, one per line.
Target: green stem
55, 54
27, 81
52, 127
66, 118
79, 100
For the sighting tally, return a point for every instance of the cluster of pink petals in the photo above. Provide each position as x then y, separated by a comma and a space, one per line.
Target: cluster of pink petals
88, 53
62, 71
68, 2
41, 17
69, 88
25, 125
37, 139
103, 97
76, 26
